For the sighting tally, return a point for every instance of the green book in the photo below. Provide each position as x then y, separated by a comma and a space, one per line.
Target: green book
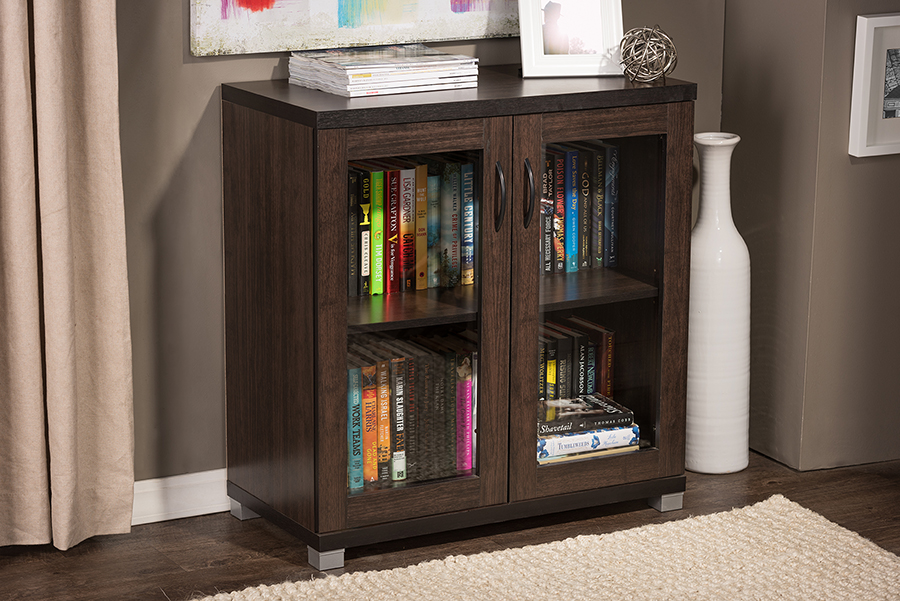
378, 236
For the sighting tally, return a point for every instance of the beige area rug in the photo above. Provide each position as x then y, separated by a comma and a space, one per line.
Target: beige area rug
775, 549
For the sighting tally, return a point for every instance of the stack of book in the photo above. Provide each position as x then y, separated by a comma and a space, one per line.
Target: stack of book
584, 427
412, 223
579, 207
378, 70
412, 408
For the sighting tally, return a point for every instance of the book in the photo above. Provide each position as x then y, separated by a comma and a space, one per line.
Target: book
353, 255
550, 367
364, 231
548, 211
450, 224
368, 59
433, 218
587, 193
579, 357
595, 180
563, 360
354, 427
398, 418
375, 176
369, 403
604, 338
611, 206
589, 440
421, 250
587, 455
392, 260
467, 246
586, 412
559, 209
570, 205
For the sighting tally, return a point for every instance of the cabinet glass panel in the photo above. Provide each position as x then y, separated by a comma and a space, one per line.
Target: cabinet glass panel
413, 302
598, 333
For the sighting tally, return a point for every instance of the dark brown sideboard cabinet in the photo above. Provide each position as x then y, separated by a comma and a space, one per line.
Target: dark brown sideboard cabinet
292, 324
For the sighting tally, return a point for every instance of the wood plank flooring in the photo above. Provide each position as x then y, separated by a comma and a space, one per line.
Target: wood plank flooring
183, 559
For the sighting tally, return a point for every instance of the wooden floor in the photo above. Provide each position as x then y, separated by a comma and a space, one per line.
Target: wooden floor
193, 557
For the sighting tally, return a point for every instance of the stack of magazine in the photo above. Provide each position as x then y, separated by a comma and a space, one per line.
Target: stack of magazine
378, 70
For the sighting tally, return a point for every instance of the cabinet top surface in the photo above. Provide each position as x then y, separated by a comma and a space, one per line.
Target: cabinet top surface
501, 91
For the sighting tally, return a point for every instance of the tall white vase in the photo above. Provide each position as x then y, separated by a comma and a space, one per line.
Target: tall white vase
718, 384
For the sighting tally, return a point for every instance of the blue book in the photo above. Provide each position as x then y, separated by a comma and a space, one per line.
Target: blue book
467, 250
572, 220
354, 428
611, 207
434, 231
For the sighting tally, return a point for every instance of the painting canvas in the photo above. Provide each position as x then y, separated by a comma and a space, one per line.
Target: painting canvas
253, 26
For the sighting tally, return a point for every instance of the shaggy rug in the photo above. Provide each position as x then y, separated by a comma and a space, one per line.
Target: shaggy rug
775, 549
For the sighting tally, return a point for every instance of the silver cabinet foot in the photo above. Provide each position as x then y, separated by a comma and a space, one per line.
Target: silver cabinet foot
671, 502
325, 560
241, 512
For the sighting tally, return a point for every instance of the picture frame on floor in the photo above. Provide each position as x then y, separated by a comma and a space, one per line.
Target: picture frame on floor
564, 38
875, 102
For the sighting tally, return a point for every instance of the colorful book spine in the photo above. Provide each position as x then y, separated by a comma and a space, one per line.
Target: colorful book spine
421, 227
407, 229
384, 420
464, 425
398, 419
467, 249
450, 225
572, 221
370, 422
434, 231
611, 207
599, 210
392, 265
548, 204
587, 455
365, 233
591, 440
354, 428
559, 214
353, 233
586, 183
378, 233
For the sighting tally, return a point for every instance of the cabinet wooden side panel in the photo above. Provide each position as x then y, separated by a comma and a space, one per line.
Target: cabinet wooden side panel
330, 257
676, 285
525, 301
269, 309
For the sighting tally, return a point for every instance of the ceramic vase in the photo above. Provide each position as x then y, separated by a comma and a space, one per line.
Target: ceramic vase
718, 382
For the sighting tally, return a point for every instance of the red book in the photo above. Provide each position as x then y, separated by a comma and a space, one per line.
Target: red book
392, 256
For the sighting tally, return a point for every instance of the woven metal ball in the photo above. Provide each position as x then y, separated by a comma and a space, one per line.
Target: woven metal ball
647, 54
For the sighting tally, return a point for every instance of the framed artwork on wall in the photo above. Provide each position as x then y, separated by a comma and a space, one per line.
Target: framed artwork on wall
875, 102
570, 37
254, 26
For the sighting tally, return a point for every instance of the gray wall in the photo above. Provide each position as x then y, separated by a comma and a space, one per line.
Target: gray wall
822, 231
169, 112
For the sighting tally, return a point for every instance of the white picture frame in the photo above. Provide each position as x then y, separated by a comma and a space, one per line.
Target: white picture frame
872, 131
592, 32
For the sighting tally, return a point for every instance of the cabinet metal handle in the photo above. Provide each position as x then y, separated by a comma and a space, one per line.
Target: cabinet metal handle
502, 180
531, 193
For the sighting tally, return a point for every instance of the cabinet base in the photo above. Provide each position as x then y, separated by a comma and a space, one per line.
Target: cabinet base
670, 502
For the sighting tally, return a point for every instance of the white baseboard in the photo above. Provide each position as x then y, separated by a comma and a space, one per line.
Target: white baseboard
162, 499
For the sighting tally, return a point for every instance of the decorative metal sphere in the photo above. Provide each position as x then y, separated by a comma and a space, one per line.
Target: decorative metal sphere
647, 54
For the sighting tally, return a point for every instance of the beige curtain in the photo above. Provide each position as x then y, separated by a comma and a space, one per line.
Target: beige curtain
66, 419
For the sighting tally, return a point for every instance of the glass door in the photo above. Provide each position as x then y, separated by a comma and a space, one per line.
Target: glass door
588, 399
426, 239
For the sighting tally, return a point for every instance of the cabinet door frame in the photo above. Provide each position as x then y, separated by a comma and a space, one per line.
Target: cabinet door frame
336, 510
674, 121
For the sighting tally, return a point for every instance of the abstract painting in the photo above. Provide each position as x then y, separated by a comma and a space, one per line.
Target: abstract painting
253, 26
